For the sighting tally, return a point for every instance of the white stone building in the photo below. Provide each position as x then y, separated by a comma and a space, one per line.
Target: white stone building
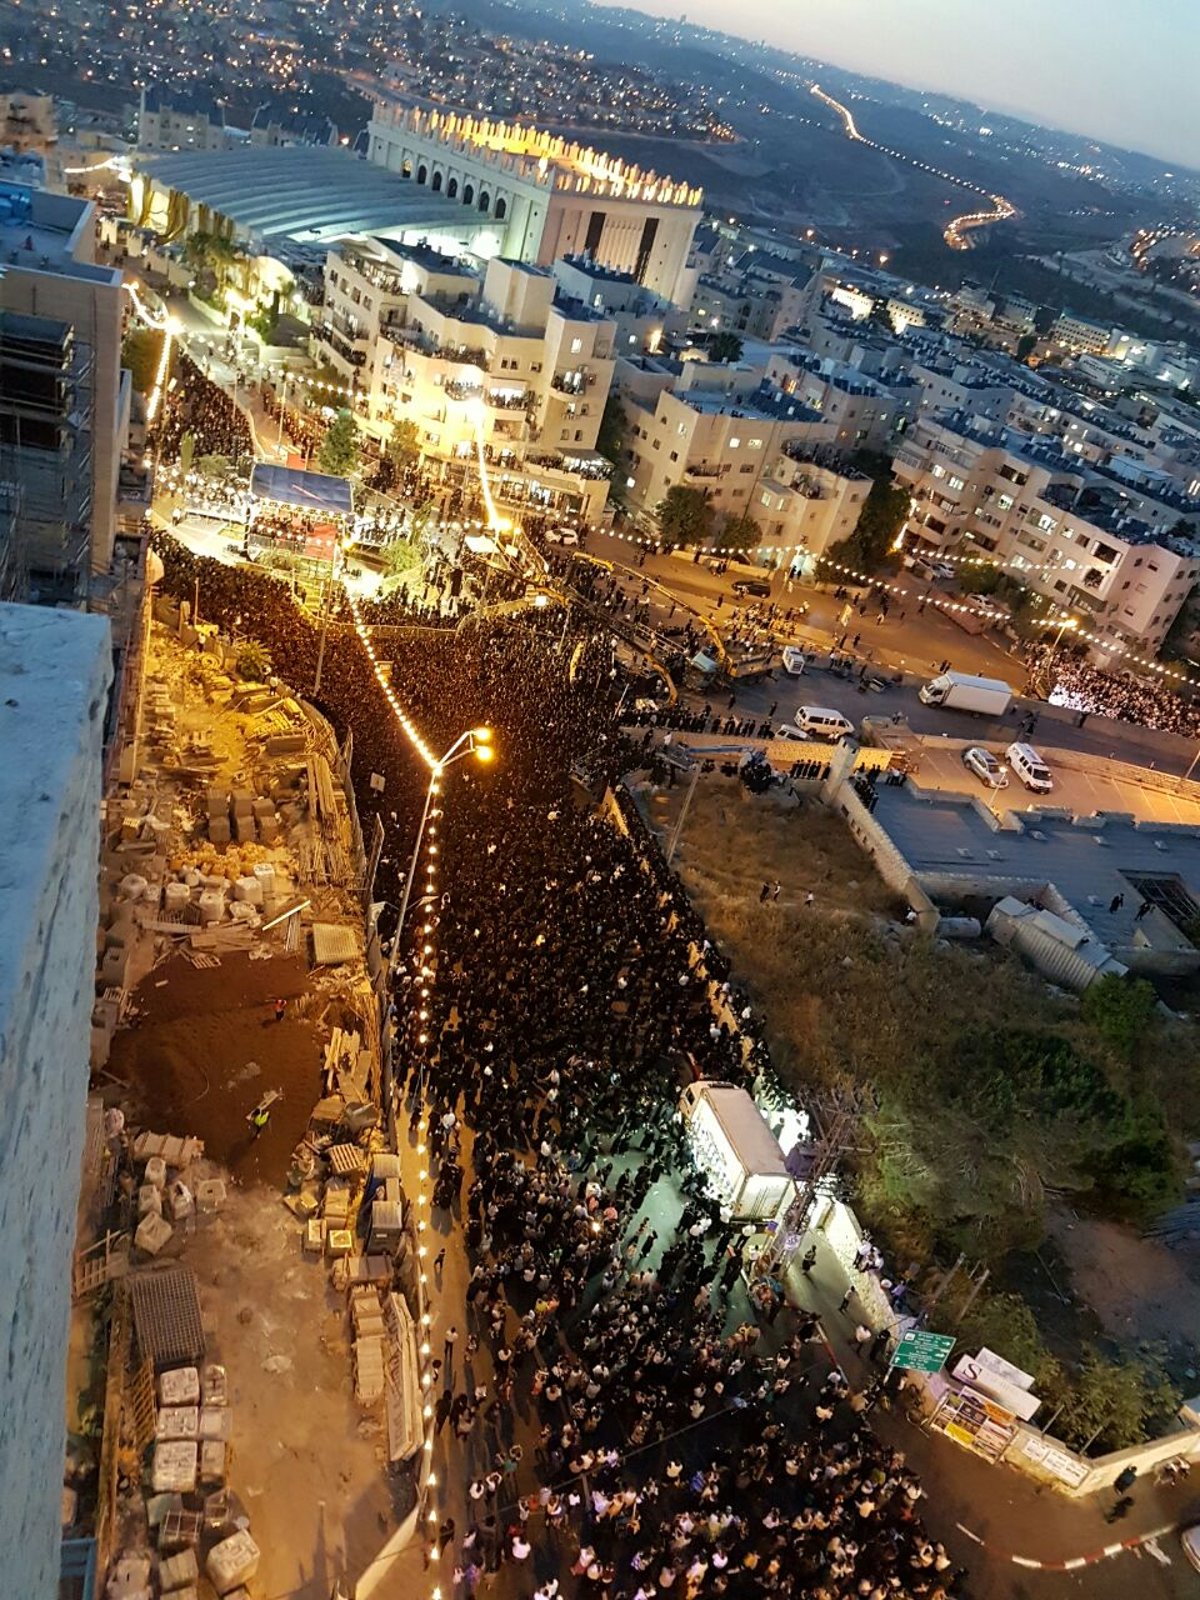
549, 197
506, 359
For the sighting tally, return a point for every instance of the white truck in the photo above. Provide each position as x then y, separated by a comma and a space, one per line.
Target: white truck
959, 691
736, 1149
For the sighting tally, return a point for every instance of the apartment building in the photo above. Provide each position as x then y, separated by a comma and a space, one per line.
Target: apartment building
1115, 546
64, 398
506, 359
757, 296
1081, 334
643, 319
172, 120
866, 413
807, 503
721, 443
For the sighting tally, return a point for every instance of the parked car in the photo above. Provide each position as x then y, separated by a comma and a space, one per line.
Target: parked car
1030, 768
787, 730
985, 767
568, 536
822, 722
758, 587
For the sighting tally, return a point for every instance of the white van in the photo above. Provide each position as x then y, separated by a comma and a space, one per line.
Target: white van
795, 659
1030, 768
822, 722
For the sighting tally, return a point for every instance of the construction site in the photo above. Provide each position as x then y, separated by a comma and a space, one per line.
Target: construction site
245, 1399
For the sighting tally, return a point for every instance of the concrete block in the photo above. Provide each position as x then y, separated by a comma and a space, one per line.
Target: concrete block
215, 1422
339, 1242
174, 1467
178, 1570
158, 1505
216, 1385
219, 830
245, 829
263, 808
232, 1563
179, 1387
242, 802
180, 1201
314, 1236
114, 969
210, 1194
177, 1422
212, 1460
268, 829
156, 1172
149, 1200
152, 1234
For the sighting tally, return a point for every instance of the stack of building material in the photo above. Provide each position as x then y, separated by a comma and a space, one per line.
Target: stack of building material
404, 1396
369, 1345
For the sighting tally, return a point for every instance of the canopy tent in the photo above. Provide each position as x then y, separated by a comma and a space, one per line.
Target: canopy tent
303, 491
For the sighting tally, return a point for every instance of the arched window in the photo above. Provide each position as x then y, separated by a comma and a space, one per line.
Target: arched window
452, 189
485, 202
406, 168
501, 209
468, 194
423, 174
437, 182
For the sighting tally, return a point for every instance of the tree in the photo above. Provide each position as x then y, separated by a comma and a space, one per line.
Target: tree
253, 661
1026, 345
214, 466
400, 556
404, 443
740, 533
879, 524
685, 515
1110, 1406
141, 353
1121, 1009
725, 346
340, 447
614, 430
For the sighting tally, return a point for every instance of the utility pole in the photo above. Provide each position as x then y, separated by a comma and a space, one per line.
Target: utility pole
836, 1116
673, 845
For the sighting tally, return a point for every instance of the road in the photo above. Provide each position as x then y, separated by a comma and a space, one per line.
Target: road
909, 641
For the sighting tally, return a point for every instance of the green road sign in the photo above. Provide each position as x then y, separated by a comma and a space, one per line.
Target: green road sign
922, 1352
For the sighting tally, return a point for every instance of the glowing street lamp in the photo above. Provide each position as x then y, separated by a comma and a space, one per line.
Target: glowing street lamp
475, 742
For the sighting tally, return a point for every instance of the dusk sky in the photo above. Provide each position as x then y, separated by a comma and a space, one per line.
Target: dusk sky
1116, 70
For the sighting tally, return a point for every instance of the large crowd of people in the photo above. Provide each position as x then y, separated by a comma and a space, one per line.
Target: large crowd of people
683, 1446
198, 406
1068, 680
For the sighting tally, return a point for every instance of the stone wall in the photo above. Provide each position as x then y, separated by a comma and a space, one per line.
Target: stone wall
55, 668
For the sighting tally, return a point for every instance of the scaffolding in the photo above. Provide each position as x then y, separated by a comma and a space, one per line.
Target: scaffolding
46, 444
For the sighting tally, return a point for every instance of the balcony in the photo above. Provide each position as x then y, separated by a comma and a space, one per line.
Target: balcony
573, 383
706, 470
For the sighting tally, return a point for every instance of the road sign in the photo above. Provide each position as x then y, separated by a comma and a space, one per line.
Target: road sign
922, 1352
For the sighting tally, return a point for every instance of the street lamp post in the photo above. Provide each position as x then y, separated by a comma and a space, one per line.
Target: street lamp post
476, 742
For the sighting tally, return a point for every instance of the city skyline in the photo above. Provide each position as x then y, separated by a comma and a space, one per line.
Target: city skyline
982, 55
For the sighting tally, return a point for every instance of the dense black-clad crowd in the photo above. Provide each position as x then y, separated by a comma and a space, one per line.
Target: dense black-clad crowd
1067, 680
575, 989
195, 404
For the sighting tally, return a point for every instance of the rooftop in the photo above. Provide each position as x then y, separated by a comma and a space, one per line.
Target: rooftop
306, 192
1088, 860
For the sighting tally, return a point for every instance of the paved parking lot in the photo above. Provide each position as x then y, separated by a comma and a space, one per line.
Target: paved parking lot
1078, 783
